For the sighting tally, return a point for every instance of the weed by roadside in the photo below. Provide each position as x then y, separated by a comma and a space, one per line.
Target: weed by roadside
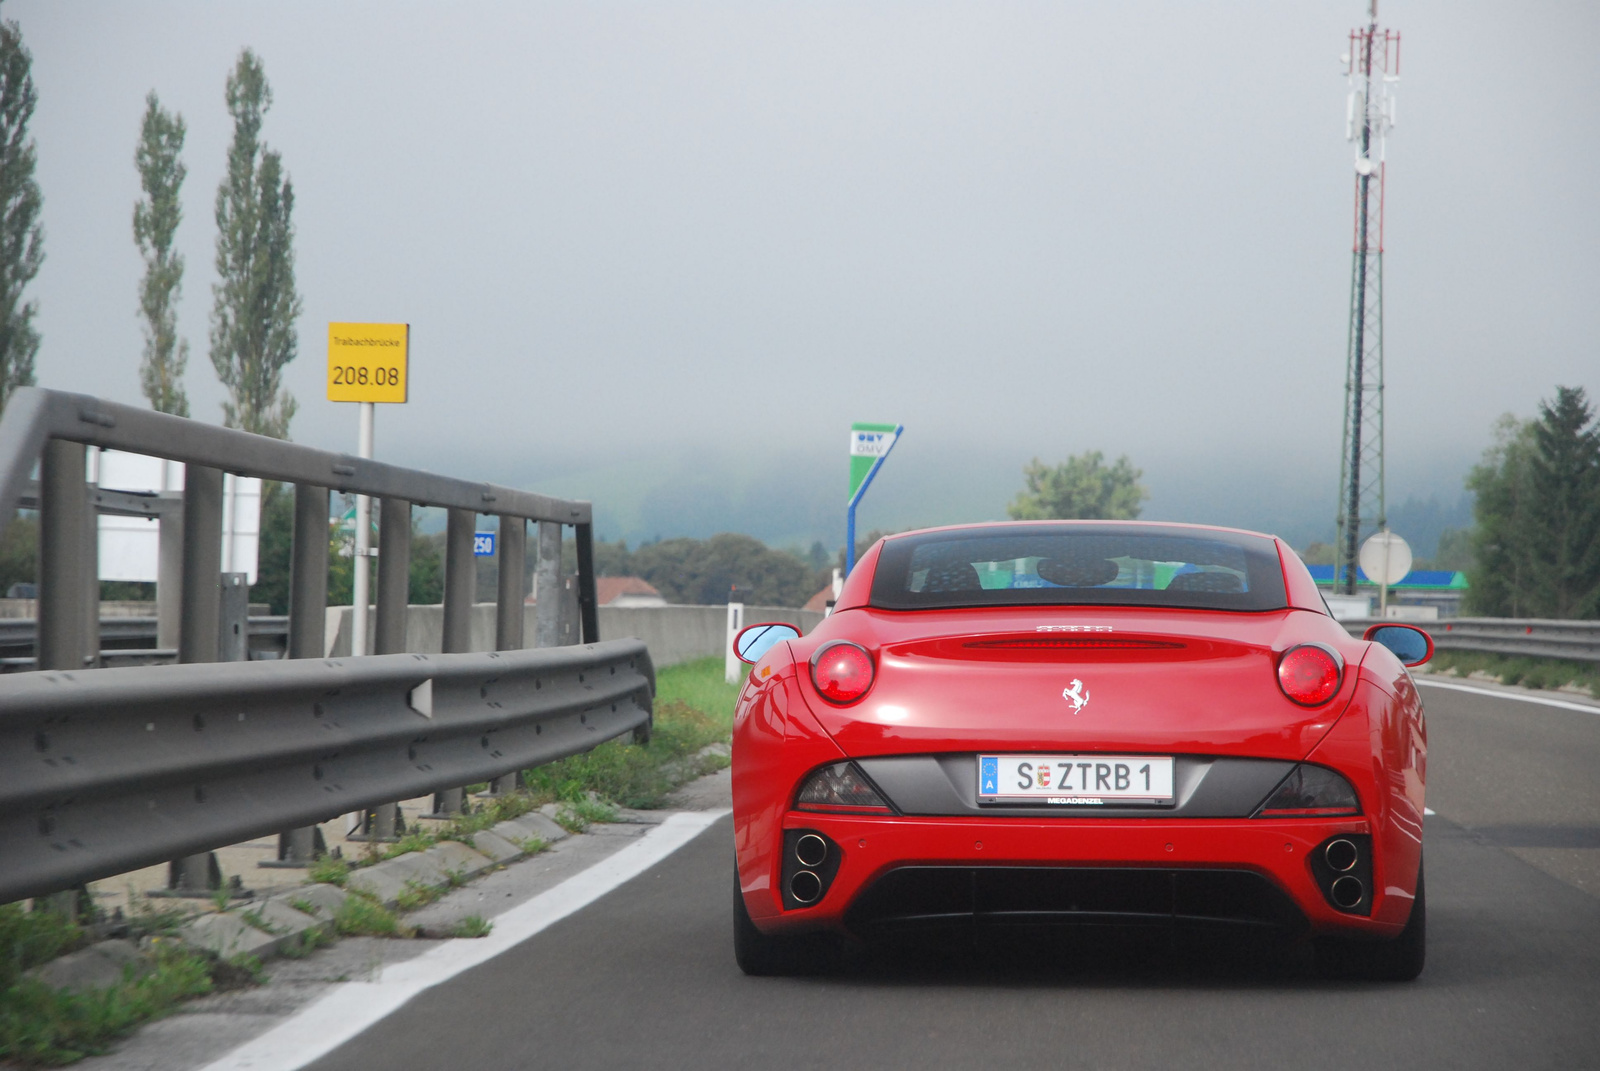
472, 926
1539, 673
329, 870
361, 915
41, 1026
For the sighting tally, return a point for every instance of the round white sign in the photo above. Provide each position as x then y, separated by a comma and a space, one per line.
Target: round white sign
1385, 558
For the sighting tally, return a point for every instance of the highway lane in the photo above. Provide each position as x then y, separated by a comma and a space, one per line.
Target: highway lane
644, 977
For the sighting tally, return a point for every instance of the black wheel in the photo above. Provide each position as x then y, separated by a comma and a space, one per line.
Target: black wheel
758, 954
1397, 960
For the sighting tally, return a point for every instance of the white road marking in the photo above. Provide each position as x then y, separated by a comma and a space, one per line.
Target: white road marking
352, 1007
1541, 700
1427, 810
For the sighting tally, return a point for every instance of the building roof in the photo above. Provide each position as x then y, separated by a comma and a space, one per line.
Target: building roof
1418, 579
819, 602
608, 589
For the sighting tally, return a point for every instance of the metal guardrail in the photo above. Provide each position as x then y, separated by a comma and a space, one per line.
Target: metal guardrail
133, 640
108, 770
97, 773
1577, 641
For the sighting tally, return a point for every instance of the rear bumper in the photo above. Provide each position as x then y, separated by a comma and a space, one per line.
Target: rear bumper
1251, 871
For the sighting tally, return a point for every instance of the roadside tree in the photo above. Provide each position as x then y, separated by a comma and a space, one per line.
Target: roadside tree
21, 236
255, 304
155, 220
1536, 543
1080, 488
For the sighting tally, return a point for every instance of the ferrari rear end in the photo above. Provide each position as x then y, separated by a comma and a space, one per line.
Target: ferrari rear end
1080, 723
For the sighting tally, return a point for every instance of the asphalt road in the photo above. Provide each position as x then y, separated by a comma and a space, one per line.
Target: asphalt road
644, 977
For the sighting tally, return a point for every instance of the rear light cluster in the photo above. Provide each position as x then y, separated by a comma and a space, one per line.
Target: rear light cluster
1310, 674
1311, 792
841, 789
842, 671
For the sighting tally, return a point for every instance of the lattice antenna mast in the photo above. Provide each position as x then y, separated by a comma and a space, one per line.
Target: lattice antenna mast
1373, 66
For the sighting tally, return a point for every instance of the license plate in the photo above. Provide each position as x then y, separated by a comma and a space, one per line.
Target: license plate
1075, 780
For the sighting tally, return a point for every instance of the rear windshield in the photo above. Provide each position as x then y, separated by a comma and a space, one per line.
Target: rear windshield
1079, 565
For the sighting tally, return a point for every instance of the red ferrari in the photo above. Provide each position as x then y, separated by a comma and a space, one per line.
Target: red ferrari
1081, 722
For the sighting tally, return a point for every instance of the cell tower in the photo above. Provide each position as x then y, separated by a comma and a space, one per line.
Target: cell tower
1373, 67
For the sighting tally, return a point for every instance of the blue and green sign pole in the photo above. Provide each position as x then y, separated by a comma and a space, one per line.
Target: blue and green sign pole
869, 446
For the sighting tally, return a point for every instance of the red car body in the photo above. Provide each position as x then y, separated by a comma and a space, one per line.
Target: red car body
1198, 684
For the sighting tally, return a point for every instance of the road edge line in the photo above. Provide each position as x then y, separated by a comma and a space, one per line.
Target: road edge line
352, 1007
1542, 700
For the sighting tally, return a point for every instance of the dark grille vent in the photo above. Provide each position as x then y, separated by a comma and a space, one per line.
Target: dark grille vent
927, 895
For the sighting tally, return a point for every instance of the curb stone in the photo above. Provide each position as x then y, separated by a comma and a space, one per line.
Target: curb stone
99, 966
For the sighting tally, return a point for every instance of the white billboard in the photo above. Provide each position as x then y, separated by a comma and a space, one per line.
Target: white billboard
130, 546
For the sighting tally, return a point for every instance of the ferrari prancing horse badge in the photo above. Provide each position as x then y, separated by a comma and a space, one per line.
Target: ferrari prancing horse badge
1077, 695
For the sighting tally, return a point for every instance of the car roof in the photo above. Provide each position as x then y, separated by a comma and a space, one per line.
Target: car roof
1184, 525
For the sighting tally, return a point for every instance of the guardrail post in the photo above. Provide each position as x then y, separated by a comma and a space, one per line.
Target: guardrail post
63, 510
60, 641
588, 611
199, 630
394, 575
383, 822
509, 601
233, 617
547, 587
169, 579
308, 625
460, 584
308, 573
511, 596
91, 568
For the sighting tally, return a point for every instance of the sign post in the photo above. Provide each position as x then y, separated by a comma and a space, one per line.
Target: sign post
367, 363
869, 446
1386, 558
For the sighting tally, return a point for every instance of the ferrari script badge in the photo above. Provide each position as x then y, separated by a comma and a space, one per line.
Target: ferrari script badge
1077, 695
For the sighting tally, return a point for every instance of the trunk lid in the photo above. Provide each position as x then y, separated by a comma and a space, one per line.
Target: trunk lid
1108, 679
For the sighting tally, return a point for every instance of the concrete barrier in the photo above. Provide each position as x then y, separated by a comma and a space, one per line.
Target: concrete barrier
673, 633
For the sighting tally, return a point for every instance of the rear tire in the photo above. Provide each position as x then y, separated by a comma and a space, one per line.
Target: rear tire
1397, 960
760, 954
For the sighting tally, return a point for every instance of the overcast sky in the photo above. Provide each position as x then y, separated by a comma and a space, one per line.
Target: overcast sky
657, 252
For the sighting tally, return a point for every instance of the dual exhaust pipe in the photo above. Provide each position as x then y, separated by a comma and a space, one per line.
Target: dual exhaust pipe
1343, 856
806, 885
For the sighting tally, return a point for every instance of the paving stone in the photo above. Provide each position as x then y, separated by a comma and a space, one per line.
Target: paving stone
99, 966
517, 830
226, 935
496, 847
324, 900
453, 857
285, 921
381, 881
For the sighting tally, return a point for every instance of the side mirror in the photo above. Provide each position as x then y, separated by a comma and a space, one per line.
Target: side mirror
753, 641
1410, 645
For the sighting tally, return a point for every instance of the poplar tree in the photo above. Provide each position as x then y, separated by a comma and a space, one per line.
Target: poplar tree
21, 236
255, 304
155, 221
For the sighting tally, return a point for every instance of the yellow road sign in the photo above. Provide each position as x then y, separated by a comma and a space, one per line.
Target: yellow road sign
367, 362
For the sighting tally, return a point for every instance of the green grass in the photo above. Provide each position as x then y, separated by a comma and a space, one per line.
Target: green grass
329, 870
41, 1026
362, 916
1522, 670
472, 926
700, 685
694, 707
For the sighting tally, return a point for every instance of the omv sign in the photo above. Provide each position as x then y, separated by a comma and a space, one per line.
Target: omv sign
870, 443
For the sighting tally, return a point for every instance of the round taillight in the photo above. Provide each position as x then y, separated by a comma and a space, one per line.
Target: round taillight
841, 671
1309, 674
